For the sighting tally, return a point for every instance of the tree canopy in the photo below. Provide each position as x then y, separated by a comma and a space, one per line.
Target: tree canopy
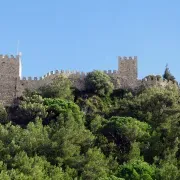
167, 74
99, 83
105, 135
59, 88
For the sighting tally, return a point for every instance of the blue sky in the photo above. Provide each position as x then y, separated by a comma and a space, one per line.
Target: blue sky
86, 35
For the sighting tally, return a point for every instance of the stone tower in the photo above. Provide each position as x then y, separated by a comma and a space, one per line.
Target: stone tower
10, 72
127, 68
10, 66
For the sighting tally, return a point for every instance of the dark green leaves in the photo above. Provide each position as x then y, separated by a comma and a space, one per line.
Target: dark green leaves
99, 83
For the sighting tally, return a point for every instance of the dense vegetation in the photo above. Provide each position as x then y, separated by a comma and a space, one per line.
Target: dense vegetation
60, 133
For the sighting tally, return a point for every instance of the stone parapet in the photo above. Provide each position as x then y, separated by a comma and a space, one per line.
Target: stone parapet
12, 85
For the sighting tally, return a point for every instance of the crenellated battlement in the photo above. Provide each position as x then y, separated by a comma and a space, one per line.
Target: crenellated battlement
126, 58
30, 78
111, 72
153, 78
67, 73
12, 85
156, 81
9, 57
64, 72
10, 65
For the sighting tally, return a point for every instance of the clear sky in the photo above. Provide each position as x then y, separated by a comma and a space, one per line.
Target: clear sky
89, 34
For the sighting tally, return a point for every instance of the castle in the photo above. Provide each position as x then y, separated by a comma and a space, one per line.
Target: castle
13, 84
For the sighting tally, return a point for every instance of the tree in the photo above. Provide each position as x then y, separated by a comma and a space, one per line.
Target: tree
96, 165
94, 105
57, 107
167, 75
136, 170
123, 132
28, 109
99, 83
121, 136
3, 115
154, 105
168, 164
36, 167
70, 138
59, 88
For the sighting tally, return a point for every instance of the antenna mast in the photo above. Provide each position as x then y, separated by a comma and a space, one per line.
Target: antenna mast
18, 47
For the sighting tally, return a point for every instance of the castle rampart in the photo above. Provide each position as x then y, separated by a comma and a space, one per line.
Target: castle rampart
12, 85
156, 81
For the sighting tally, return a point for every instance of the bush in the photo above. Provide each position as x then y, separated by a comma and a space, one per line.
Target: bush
99, 83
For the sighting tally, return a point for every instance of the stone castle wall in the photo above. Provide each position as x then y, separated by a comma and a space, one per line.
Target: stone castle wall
9, 77
10, 65
13, 86
8, 86
156, 81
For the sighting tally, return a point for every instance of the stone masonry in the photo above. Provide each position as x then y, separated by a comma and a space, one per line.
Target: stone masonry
13, 85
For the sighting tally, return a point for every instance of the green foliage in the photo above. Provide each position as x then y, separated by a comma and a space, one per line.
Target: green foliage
96, 165
111, 178
59, 88
94, 105
3, 115
25, 167
99, 83
167, 75
28, 110
123, 131
57, 107
133, 129
136, 170
125, 135
96, 124
153, 105
70, 138
168, 164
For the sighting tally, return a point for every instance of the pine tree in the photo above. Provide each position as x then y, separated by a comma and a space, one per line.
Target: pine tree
167, 74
